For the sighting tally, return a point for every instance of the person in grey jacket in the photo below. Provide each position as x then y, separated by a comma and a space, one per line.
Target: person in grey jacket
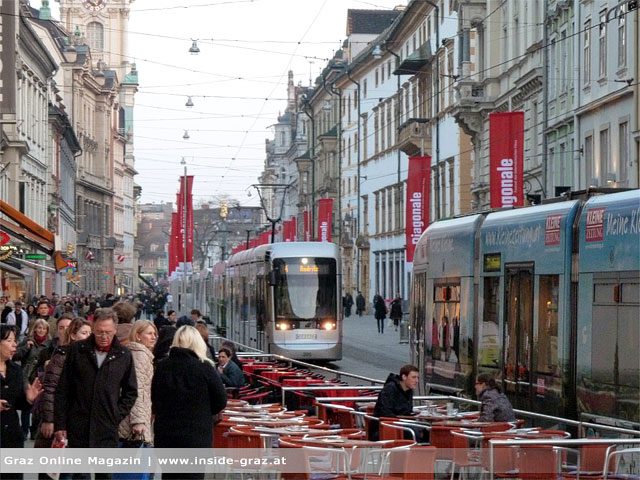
230, 373
495, 405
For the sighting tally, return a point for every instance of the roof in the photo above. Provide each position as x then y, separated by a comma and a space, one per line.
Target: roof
369, 21
414, 62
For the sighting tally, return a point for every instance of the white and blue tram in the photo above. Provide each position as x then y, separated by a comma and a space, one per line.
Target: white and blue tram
547, 298
282, 298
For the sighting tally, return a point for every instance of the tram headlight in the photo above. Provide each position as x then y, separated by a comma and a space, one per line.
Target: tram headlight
283, 326
329, 325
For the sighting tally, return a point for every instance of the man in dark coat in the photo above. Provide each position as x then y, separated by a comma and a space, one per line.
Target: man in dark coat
396, 397
97, 388
360, 304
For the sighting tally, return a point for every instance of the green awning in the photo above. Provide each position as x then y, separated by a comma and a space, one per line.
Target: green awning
414, 62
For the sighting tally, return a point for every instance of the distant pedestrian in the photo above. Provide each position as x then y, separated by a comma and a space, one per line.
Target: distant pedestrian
380, 311
396, 311
20, 319
347, 304
361, 304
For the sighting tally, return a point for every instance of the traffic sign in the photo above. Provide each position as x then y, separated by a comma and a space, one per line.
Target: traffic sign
35, 256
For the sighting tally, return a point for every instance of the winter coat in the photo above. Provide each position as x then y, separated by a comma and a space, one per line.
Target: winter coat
29, 356
231, 375
360, 303
396, 309
495, 407
186, 392
393, 400
52, 373
141, 410
90, 402
379, 307
12, 389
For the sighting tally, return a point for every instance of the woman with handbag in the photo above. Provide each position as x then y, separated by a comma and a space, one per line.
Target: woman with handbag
135, 430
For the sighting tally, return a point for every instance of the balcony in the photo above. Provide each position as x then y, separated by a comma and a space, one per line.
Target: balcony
414, 136
472, 101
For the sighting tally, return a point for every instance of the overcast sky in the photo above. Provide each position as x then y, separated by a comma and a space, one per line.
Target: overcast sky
237, 83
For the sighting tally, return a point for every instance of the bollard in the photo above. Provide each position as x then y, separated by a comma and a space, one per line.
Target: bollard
404, 331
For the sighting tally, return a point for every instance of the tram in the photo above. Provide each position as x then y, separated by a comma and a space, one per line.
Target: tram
282, 298
546, 298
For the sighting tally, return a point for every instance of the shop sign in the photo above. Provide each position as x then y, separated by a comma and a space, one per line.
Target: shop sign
35, 256
4, 238
7, 251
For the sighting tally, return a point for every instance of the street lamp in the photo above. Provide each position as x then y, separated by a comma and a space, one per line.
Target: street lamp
273, 210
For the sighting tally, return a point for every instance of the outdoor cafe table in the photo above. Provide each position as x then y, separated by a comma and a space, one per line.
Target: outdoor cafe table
258, 414
265, 422
335, 441
298, 430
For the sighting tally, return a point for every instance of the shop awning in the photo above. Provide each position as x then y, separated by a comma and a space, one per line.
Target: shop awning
29, 231
5, 267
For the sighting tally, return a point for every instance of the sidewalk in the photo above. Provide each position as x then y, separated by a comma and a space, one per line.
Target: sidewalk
369, 353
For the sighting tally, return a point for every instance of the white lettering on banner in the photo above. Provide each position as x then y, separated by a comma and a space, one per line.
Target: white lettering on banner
324, 229
595, 225
417, 222
507, 191
441, 245
513, 236
618, 224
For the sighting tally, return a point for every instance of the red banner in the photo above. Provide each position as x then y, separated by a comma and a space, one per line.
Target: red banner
506, 159
294, 228
179, 234
417, 207
174, 243
306, 226
325, 216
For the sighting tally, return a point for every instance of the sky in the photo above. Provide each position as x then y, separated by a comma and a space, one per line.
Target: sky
237, 84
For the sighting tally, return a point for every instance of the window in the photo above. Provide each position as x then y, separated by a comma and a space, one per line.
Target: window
516, 37
588, 160
564, 62
622, 41
95, 36
605, 156
553, 67
602, 44
586, 52
377, 80
364, 88
383, 126
365, 213
445, 324
547, 351
389, 125
452, 189
623, 152
376, 124
376, 213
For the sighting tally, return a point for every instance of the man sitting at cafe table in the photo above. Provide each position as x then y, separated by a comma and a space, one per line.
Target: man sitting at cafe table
396, 399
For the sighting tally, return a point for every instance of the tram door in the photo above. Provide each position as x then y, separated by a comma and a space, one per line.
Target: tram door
518, 335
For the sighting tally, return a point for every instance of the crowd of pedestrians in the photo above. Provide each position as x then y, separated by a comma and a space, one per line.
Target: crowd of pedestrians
90, 373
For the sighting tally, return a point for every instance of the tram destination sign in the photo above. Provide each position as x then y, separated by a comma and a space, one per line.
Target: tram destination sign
492, 262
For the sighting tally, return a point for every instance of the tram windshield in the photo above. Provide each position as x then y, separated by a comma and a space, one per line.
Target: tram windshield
306, 288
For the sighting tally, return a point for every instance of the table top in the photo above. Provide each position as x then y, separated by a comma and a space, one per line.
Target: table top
335, 441
271, 421
297, 430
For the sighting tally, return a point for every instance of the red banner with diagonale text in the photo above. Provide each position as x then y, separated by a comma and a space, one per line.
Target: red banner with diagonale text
325, 216
417, 207
306, 226
293, 229
506, 159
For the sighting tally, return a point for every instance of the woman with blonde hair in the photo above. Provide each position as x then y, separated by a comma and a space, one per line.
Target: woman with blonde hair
28, 353
137, 425
186, 392
79, 329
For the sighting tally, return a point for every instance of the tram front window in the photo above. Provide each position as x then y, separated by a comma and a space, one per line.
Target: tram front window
299, 282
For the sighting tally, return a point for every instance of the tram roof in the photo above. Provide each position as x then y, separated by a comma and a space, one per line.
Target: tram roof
286, 249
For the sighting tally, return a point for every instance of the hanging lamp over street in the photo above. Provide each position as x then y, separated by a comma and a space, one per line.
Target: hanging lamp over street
194, 50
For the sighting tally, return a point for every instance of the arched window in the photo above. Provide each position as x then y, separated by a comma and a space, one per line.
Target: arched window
95, 36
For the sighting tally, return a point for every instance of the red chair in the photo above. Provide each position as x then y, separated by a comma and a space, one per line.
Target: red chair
463, 455
504, 457
538, 462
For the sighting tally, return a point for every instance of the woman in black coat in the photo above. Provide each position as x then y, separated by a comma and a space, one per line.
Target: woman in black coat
380, 311
186, 382
13, 395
